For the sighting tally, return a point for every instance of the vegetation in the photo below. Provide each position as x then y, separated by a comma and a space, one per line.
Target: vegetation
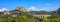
27, 16
55, 15
21, 16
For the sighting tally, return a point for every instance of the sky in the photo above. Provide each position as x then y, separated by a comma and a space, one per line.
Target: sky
30, 5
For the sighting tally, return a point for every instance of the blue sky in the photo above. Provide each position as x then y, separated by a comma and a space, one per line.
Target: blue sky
35, 5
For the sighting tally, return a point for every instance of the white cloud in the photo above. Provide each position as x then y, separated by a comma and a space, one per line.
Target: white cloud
48, 4
3, 9
32, 8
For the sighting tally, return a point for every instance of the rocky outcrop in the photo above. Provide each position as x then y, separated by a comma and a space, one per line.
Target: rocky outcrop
16, 12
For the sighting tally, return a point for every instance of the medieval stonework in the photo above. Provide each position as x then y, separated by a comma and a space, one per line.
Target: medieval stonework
16, 12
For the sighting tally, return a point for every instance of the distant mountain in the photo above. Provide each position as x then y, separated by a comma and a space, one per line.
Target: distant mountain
39, 12
42, 12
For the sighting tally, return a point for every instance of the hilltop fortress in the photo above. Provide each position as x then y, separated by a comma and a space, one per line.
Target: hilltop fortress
16, 12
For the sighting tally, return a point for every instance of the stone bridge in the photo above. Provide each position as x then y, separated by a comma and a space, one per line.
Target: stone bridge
42, 16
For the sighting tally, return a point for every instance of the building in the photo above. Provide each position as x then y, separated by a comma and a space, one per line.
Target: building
16, 12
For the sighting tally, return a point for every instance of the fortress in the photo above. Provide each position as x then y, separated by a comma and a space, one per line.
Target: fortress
17, 11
